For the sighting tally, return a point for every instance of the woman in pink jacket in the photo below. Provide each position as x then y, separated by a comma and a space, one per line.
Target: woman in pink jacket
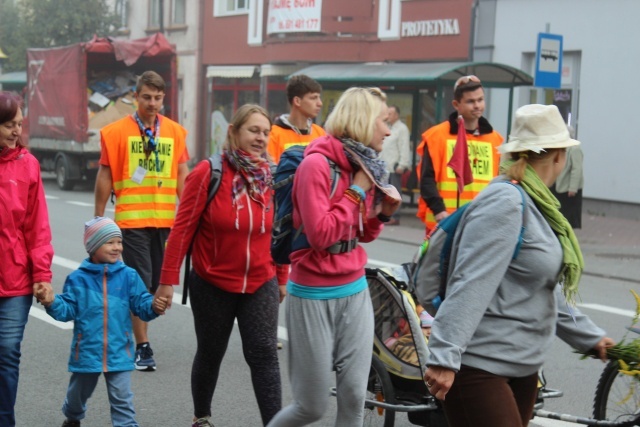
329, 313
25, 241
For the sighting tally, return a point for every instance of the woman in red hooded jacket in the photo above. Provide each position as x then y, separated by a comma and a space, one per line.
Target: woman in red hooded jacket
25, 241
233, 275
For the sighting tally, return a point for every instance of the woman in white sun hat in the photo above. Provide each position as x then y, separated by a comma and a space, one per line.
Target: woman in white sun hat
503, 308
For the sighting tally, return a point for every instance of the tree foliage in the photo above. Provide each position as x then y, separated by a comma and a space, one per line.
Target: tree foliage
49, 23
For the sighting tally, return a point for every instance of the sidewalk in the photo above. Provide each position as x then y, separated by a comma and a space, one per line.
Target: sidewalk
611, 246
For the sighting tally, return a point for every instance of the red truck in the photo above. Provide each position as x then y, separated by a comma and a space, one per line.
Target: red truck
73, 91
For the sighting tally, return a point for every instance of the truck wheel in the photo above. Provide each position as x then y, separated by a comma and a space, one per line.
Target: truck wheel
62, 174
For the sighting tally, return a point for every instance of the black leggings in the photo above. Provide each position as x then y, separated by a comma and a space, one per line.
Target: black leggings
214, 312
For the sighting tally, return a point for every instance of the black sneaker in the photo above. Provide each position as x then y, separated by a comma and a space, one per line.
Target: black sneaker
144, 359
69, 423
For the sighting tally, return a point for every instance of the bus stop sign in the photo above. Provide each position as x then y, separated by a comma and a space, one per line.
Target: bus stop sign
548, 61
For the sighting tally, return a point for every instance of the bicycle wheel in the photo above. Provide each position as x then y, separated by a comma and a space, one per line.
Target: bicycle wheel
380, 388
617, 397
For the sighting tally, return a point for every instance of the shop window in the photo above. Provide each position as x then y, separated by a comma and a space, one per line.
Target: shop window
230, 7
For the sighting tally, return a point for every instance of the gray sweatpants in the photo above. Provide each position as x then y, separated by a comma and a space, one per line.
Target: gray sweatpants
325, 336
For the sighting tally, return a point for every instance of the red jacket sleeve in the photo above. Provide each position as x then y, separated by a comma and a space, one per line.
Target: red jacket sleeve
37, 232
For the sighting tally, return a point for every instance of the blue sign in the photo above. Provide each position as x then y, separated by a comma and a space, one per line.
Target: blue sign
548, 61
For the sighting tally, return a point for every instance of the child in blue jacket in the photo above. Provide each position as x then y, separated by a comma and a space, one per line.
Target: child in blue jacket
99, 297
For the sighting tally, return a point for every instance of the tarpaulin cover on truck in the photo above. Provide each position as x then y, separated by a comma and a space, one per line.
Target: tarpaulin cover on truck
57, 90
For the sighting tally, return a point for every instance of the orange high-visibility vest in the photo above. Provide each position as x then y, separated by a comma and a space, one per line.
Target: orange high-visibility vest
483, 157
281, 138
151, 202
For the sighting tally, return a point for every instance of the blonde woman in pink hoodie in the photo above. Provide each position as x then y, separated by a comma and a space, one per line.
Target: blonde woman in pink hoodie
329, 312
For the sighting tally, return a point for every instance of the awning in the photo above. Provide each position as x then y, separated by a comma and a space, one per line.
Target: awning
267, 70
15, 78
231, 71
492, 74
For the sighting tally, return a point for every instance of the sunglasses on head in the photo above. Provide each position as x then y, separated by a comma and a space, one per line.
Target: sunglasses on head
465, 80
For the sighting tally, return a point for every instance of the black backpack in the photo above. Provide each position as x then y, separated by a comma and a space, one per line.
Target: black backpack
284, 238
215, 161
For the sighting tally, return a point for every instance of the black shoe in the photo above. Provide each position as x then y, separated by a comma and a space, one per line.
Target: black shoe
69, 423
144, 359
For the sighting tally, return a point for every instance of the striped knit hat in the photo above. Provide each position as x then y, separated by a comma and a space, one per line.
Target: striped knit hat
99, 231
426, 320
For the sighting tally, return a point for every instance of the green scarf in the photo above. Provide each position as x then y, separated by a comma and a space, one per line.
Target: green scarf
572, 261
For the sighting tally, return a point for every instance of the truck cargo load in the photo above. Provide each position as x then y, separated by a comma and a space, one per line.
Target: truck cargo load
75, 90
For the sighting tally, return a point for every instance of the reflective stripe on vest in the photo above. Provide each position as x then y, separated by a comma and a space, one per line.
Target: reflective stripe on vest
151, 202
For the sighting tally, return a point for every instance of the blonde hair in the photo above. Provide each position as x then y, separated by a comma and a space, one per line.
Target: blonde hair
523, 158
355, 114
240, 117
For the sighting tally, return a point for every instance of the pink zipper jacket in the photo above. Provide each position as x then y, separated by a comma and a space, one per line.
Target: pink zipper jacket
25, 235
327, 221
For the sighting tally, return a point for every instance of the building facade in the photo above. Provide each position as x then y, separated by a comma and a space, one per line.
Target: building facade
600, 54
179, 21
237, 51
250, 47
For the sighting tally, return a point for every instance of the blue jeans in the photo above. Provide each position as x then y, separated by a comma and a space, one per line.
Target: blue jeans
14, 312
81, 386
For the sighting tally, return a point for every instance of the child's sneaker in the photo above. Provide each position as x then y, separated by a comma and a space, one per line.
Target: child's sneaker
203, 422
69, 423
144, 358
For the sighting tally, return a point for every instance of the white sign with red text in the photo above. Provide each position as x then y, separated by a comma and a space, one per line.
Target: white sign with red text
294, 16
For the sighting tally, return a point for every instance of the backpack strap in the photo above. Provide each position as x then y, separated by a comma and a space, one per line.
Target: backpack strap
215, 163
522, 229
450, 224
299, 239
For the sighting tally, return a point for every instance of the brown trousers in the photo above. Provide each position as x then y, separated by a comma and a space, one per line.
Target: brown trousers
481, 399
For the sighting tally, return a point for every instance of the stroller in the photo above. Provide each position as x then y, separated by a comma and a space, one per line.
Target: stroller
396, 379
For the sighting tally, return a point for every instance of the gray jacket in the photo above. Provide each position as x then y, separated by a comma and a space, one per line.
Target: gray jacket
500, 314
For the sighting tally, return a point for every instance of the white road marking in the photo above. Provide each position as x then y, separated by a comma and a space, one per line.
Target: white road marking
46, 196
85, 204
66, 263
547, 422
39, 313
282, 332
608, 309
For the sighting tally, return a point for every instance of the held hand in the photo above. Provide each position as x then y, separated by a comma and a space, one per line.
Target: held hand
602, 346
571, 193
283, 291
399, 170
164, 291
159, 305
439, 380
43, 293
442, 215
362, 180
